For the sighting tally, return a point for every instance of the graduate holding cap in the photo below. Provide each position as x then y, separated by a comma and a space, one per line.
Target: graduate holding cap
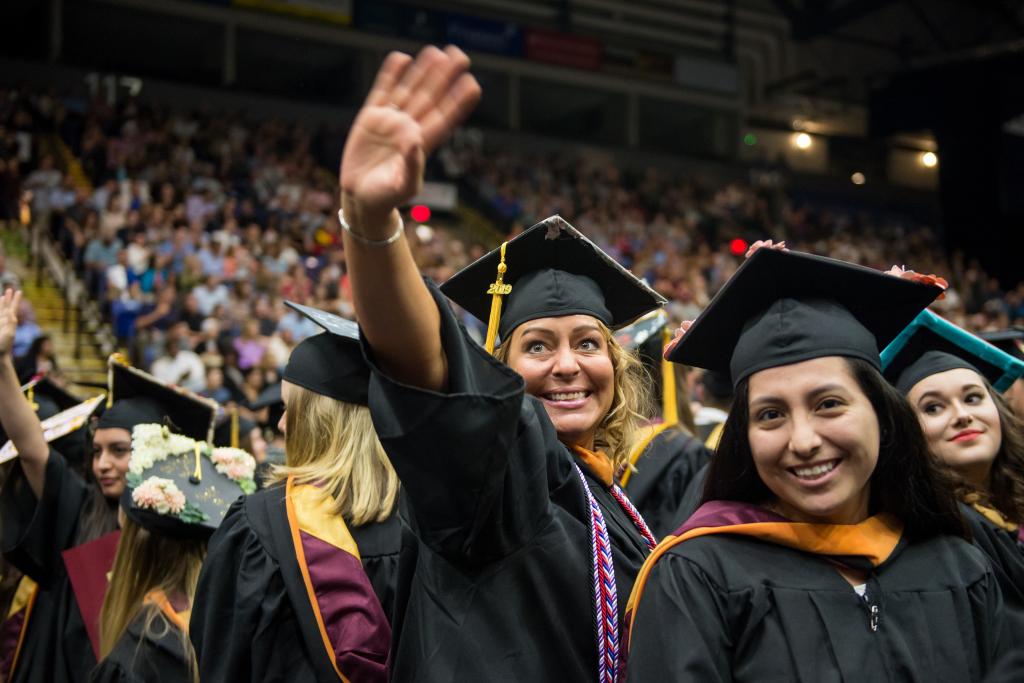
56, 523
668, 456
300, 583
827, 546
953, 381
178, 491
527, 547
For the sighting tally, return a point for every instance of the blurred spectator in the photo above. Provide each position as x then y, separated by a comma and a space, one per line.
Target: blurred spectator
27, 331
8, 279
180, 365
39, 358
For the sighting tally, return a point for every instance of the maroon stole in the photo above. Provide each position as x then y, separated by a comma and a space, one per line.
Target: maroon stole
351, 624
14, 625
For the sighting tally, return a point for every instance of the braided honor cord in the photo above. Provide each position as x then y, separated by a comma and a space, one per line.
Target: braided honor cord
606, 601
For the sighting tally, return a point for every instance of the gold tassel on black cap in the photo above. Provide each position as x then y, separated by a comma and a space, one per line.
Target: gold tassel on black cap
669, 407
197, 473
497, 289
234, 426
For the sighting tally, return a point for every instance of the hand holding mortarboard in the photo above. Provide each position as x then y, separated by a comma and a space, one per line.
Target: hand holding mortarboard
412, 106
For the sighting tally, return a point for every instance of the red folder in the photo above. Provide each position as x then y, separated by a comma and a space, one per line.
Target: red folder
88, 566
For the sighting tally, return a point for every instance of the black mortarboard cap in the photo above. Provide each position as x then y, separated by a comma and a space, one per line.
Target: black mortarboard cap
1010, 340
231, 428
269, 397
931, 344
136, 397
784, 307
647, 338
330, 364
159, 457
550, 270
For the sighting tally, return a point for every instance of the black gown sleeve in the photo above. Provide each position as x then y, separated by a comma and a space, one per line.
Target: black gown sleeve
680, 632
664, 471
35, 532
243, 627
1006, 557
473, 459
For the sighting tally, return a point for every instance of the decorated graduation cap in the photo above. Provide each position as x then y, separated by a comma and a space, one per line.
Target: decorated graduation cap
549, 270
136, 397
60, 426
784, 307
181, 487
330, 364
648, 337
1010, 340
48, 397
930, 345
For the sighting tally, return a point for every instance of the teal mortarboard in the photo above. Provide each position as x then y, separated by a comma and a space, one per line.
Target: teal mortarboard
785, 307
931, 344
549, 270
1010, 340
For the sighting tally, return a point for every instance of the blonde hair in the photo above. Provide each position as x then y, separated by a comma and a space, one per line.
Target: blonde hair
620, 429
333, 444
146, 562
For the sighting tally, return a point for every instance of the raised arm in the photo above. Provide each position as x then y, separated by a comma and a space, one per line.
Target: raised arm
412, 107
16, 415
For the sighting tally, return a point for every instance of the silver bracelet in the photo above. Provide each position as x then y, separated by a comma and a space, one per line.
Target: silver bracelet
366, 240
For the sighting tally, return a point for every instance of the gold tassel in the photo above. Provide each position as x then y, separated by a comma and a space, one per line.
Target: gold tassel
30, 394
119, 358
497, 289
197, 474
669, 408
234, 427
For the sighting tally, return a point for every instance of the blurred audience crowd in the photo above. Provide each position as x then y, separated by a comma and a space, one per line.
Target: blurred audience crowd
191, 228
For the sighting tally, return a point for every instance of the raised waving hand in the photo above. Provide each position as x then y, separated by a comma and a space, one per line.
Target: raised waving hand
413, 106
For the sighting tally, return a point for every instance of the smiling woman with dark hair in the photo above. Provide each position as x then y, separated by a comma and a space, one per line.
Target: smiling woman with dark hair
828, 546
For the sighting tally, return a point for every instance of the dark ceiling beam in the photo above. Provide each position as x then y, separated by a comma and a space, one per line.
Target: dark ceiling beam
817, 18
926, 20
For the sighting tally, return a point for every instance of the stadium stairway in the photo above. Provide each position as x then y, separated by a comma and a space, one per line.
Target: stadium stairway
85, 366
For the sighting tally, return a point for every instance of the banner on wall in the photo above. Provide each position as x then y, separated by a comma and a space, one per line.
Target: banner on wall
334, 11
484, 35
562, 49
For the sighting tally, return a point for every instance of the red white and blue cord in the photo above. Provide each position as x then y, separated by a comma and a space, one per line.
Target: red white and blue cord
606, 601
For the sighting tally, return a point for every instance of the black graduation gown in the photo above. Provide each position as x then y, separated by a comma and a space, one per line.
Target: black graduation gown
690, 500
732, 608
251, 617
663, 471
139, 657
1006, 554
56, 646
502, 587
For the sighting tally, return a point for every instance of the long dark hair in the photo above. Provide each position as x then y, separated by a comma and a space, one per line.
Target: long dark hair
907, 481
99, 513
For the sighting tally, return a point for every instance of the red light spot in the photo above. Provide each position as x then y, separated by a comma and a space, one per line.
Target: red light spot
738, 246
421, 213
